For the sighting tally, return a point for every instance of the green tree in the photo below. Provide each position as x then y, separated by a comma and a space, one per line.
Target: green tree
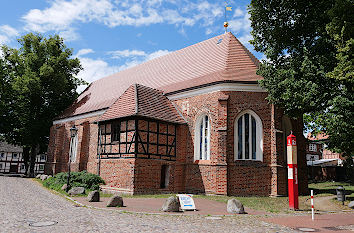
309, 66
38, 81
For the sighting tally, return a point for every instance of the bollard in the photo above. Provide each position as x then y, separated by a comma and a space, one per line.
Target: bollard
312, 208
292, 172
341, 194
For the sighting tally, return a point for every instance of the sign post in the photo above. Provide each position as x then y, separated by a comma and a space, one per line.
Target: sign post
292, 172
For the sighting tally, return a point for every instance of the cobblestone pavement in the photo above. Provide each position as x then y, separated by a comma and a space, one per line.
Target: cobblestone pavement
24, 202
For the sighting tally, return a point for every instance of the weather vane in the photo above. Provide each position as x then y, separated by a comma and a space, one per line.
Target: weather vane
227, 8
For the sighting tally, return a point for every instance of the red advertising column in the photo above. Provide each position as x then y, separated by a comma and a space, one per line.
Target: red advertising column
292, 173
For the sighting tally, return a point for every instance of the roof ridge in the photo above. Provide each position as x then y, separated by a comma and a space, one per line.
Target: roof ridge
228, 51
252, 58
136, 99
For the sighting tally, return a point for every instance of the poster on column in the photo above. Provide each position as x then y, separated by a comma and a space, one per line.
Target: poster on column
186, 201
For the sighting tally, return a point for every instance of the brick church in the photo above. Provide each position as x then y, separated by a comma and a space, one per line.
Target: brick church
192, 121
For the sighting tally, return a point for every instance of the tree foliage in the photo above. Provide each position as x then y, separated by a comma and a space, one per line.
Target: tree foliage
38, 81
309, 67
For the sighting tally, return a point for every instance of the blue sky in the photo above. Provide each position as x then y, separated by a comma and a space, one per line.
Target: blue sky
111, 35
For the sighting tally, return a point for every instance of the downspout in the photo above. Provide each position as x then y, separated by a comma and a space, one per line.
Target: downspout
99, 150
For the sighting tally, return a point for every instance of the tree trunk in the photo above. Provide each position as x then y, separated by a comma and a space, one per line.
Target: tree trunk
33, 154
26, 156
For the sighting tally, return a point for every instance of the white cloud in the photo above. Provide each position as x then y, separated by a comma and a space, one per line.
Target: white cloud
84, 52
94, 69
62, 16
238, 12
244, 39
7, 33
156, 54
241, 24
69, 35
98, 68
208, 31
126, 53
137, 54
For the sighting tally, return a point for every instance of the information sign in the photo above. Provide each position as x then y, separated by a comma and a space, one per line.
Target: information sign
186, 201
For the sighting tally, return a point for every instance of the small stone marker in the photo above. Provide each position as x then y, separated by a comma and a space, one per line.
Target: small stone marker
115, 201
171, 205
38, 176
64, 187
351, 204
93, 196
76, 191
234, 206
44, 177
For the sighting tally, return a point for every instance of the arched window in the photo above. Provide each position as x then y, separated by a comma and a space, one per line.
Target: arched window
202, 138
248, 137
74, 143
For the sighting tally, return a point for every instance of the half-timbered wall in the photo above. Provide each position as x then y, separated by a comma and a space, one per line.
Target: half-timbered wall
137, 138
12, 162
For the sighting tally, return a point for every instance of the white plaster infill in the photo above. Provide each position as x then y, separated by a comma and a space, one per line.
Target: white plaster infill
217, 87
79, 117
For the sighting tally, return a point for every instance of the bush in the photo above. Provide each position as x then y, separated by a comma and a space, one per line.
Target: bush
77, 179
52, 184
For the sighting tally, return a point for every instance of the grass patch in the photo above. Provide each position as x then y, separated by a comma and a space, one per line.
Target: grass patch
269, 204
329, 188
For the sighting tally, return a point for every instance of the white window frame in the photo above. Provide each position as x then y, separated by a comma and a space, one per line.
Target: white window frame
259, 137
197, 136
44, 157
74, 142
312, 147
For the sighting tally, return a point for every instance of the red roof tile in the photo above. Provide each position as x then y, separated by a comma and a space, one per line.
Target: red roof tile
318, 137
139, 100
221, 58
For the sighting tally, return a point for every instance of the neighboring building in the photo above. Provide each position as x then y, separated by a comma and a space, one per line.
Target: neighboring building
194, 120
11, 160
316, 149
323, 163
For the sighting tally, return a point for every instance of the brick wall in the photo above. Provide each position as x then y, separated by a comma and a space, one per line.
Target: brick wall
249, 177
222, 174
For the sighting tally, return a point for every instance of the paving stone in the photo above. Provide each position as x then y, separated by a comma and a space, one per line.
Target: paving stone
17, 213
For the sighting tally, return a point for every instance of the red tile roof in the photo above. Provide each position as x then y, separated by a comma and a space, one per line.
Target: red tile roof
318, 137
139, 100
221, 58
